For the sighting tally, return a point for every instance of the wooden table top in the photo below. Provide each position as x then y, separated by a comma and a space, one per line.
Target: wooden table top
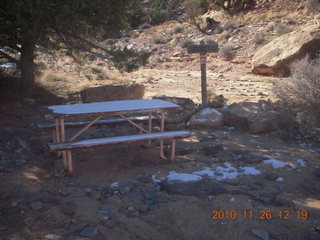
111, 107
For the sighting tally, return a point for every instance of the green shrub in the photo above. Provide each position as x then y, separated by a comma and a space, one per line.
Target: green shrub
259, 39
215, 101
227, 52
283, 29
177, 29
186, 43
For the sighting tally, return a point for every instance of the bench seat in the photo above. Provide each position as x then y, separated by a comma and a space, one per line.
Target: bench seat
51, 126
68, 146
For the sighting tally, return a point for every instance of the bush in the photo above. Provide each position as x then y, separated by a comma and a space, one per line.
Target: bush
186, 43
177, 29
215, 101
312, 5
283, 29
158, 41
158, 16
227, 52
300, 94
259, 39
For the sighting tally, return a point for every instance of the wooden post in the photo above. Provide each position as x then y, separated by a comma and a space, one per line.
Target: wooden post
203, 49
203, 61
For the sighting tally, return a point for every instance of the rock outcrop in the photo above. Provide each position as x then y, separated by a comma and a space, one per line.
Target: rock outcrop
276, 57
183, 115
256, 117
113, 92
208, 118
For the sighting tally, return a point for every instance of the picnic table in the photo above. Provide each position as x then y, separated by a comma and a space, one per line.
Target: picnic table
98, 110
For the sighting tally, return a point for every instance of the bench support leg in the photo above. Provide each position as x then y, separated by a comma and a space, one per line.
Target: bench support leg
69, 159
58, 139
149, 127
161, 141
173, 149
65, 160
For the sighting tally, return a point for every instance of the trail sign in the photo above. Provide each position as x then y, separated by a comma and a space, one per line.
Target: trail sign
203, 49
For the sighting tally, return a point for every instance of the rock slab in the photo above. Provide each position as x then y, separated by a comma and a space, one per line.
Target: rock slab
113, 93
276, 57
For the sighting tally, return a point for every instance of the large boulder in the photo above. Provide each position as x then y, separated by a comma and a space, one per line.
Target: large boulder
182, 115
113, 92
208, 118
256, 117
277, 56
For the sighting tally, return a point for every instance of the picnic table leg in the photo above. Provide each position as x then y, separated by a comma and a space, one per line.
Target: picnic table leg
173, 149
149, 127
58, 139
161, 141
69, 161
63, 139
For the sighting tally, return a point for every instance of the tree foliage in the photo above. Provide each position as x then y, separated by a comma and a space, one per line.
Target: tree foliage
78, 25
233, 6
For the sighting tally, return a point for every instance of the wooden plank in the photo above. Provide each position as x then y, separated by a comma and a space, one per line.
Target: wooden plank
107, 108
84, 129
203, 48
118, 140
133, 123
47, 126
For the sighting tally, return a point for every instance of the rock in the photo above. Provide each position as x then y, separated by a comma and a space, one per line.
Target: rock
317, 172
206, 237
208, 117
53, 237
271, 176
255, 117
88, 190
76, 227
29, 221
178, 116
104, 209
90, 231
131, 209
197, 188
68, 208
212, 151
162, 197
142, 208
113, 92
282, 202
110, 223
150, 195
260, 233
185, 151
144, 178
36, 205
132, 195
277, 56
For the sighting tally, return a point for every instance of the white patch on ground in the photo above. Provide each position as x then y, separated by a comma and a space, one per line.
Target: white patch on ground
250, 171
226, 172
232, 199
206, 171
184, 177
302, 163
274, 162
115, 184
280, 179
208, 111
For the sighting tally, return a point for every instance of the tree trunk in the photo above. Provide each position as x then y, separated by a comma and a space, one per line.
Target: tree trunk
27, 68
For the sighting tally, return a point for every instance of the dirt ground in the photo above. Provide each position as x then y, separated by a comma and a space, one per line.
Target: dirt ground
125, 192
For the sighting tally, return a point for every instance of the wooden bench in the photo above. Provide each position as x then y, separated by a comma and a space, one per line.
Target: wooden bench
68, 146
51, 126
